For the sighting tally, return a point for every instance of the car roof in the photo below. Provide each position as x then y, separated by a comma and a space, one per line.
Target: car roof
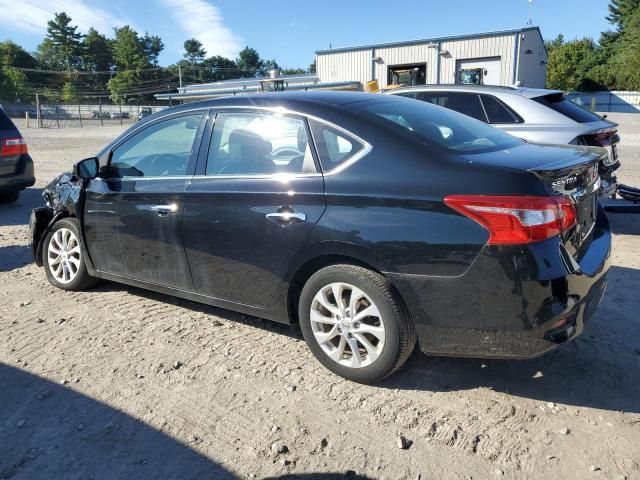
522, 91
291, 98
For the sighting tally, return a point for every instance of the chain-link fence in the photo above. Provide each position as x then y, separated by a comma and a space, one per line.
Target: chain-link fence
49, 115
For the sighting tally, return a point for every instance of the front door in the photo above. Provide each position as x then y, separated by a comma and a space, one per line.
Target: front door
254, 202
133, 216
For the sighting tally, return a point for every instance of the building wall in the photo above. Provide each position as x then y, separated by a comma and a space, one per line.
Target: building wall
532, 68
357, 65
344, 66
477, 48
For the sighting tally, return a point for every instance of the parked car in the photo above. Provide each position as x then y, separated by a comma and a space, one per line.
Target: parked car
535, 115
144, 112
396, 221
119, 114
16, 166
98, 114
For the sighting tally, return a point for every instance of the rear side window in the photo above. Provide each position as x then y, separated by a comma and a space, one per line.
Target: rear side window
334, 146
407, 94
498, 112
5, 122
462, 102
559, 103
245, 143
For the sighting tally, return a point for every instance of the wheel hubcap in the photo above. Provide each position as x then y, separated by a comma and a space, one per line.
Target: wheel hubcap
347, 325
63, 255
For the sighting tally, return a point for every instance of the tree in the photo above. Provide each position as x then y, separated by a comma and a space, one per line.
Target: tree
312, 67
293, 71
64, 41
570, 65
249, 62
14, 83
130, 58
621, 11
69, 93
194, 52
220, 68
267, 66
97, 52
152, 46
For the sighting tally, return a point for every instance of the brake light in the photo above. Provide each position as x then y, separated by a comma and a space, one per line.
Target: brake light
13, 146
517, 219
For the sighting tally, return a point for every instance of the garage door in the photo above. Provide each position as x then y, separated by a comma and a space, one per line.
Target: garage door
491, 65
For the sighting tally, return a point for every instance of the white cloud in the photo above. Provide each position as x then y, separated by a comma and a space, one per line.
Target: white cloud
200, 20
32, 15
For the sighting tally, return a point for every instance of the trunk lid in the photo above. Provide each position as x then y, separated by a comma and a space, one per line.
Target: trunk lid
564, 170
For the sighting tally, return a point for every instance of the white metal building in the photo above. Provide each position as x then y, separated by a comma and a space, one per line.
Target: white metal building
505, 58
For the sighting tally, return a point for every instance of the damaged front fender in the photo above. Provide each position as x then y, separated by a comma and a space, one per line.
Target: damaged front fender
62, 197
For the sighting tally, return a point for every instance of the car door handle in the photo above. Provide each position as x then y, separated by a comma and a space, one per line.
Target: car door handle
163, 210
287, 217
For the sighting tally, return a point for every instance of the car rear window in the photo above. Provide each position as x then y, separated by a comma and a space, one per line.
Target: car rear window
559, 103
5, 122
440, 126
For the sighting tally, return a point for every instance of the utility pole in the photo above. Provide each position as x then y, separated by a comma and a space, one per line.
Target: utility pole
38, 117
180, 74
530, 20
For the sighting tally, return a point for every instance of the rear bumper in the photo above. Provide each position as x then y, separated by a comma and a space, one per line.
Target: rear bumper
21, 179
513, 302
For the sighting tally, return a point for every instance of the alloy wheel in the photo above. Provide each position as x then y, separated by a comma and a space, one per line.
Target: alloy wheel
64, 255
347, 325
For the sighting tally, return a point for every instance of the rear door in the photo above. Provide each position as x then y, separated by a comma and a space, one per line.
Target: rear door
257, 195
133, 214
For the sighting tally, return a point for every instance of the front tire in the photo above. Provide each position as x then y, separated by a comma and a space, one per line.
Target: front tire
354, 323
63, 257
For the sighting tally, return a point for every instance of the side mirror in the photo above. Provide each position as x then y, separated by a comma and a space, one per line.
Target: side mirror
87, 169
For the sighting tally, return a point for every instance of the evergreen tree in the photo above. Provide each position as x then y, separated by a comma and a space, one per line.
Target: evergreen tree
194, 52
152, 46
130, 58
97, 52
249, 62
64, 41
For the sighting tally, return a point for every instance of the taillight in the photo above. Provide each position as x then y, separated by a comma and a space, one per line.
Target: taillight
516, 219
13, 146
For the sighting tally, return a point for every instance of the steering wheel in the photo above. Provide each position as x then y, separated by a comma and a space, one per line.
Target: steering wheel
167, 164
286, 152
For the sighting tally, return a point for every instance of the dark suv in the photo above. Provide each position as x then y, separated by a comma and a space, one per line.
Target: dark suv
16, 166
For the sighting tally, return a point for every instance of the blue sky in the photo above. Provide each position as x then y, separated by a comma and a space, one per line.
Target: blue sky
292, 30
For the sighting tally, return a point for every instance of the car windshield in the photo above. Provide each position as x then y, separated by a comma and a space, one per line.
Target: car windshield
441, 126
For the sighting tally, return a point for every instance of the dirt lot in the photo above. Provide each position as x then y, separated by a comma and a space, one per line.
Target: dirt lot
122, 383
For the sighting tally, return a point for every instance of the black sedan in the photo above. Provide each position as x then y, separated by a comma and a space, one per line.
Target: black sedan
373, 222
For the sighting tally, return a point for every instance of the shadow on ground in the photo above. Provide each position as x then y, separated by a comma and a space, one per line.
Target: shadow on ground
14, 256
80, 437
17, 213
48, 431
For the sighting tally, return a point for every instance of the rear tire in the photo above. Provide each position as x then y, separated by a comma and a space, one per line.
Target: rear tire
9, 197
63, 257
369, 316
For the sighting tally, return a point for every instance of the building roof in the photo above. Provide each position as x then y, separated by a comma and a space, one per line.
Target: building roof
430, 40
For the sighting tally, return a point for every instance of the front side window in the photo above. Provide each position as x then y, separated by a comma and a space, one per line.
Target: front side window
462, 102
163, 149
439, 126
334, 146
245, 143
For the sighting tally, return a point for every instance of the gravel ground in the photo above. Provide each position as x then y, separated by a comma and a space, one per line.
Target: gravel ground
122, 383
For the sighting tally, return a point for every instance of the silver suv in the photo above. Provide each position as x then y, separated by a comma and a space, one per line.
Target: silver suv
535, 115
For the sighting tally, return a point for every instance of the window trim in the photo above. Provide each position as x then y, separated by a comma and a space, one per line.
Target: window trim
191, 166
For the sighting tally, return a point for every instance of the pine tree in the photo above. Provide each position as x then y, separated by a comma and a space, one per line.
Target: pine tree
64, 41
194, 53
